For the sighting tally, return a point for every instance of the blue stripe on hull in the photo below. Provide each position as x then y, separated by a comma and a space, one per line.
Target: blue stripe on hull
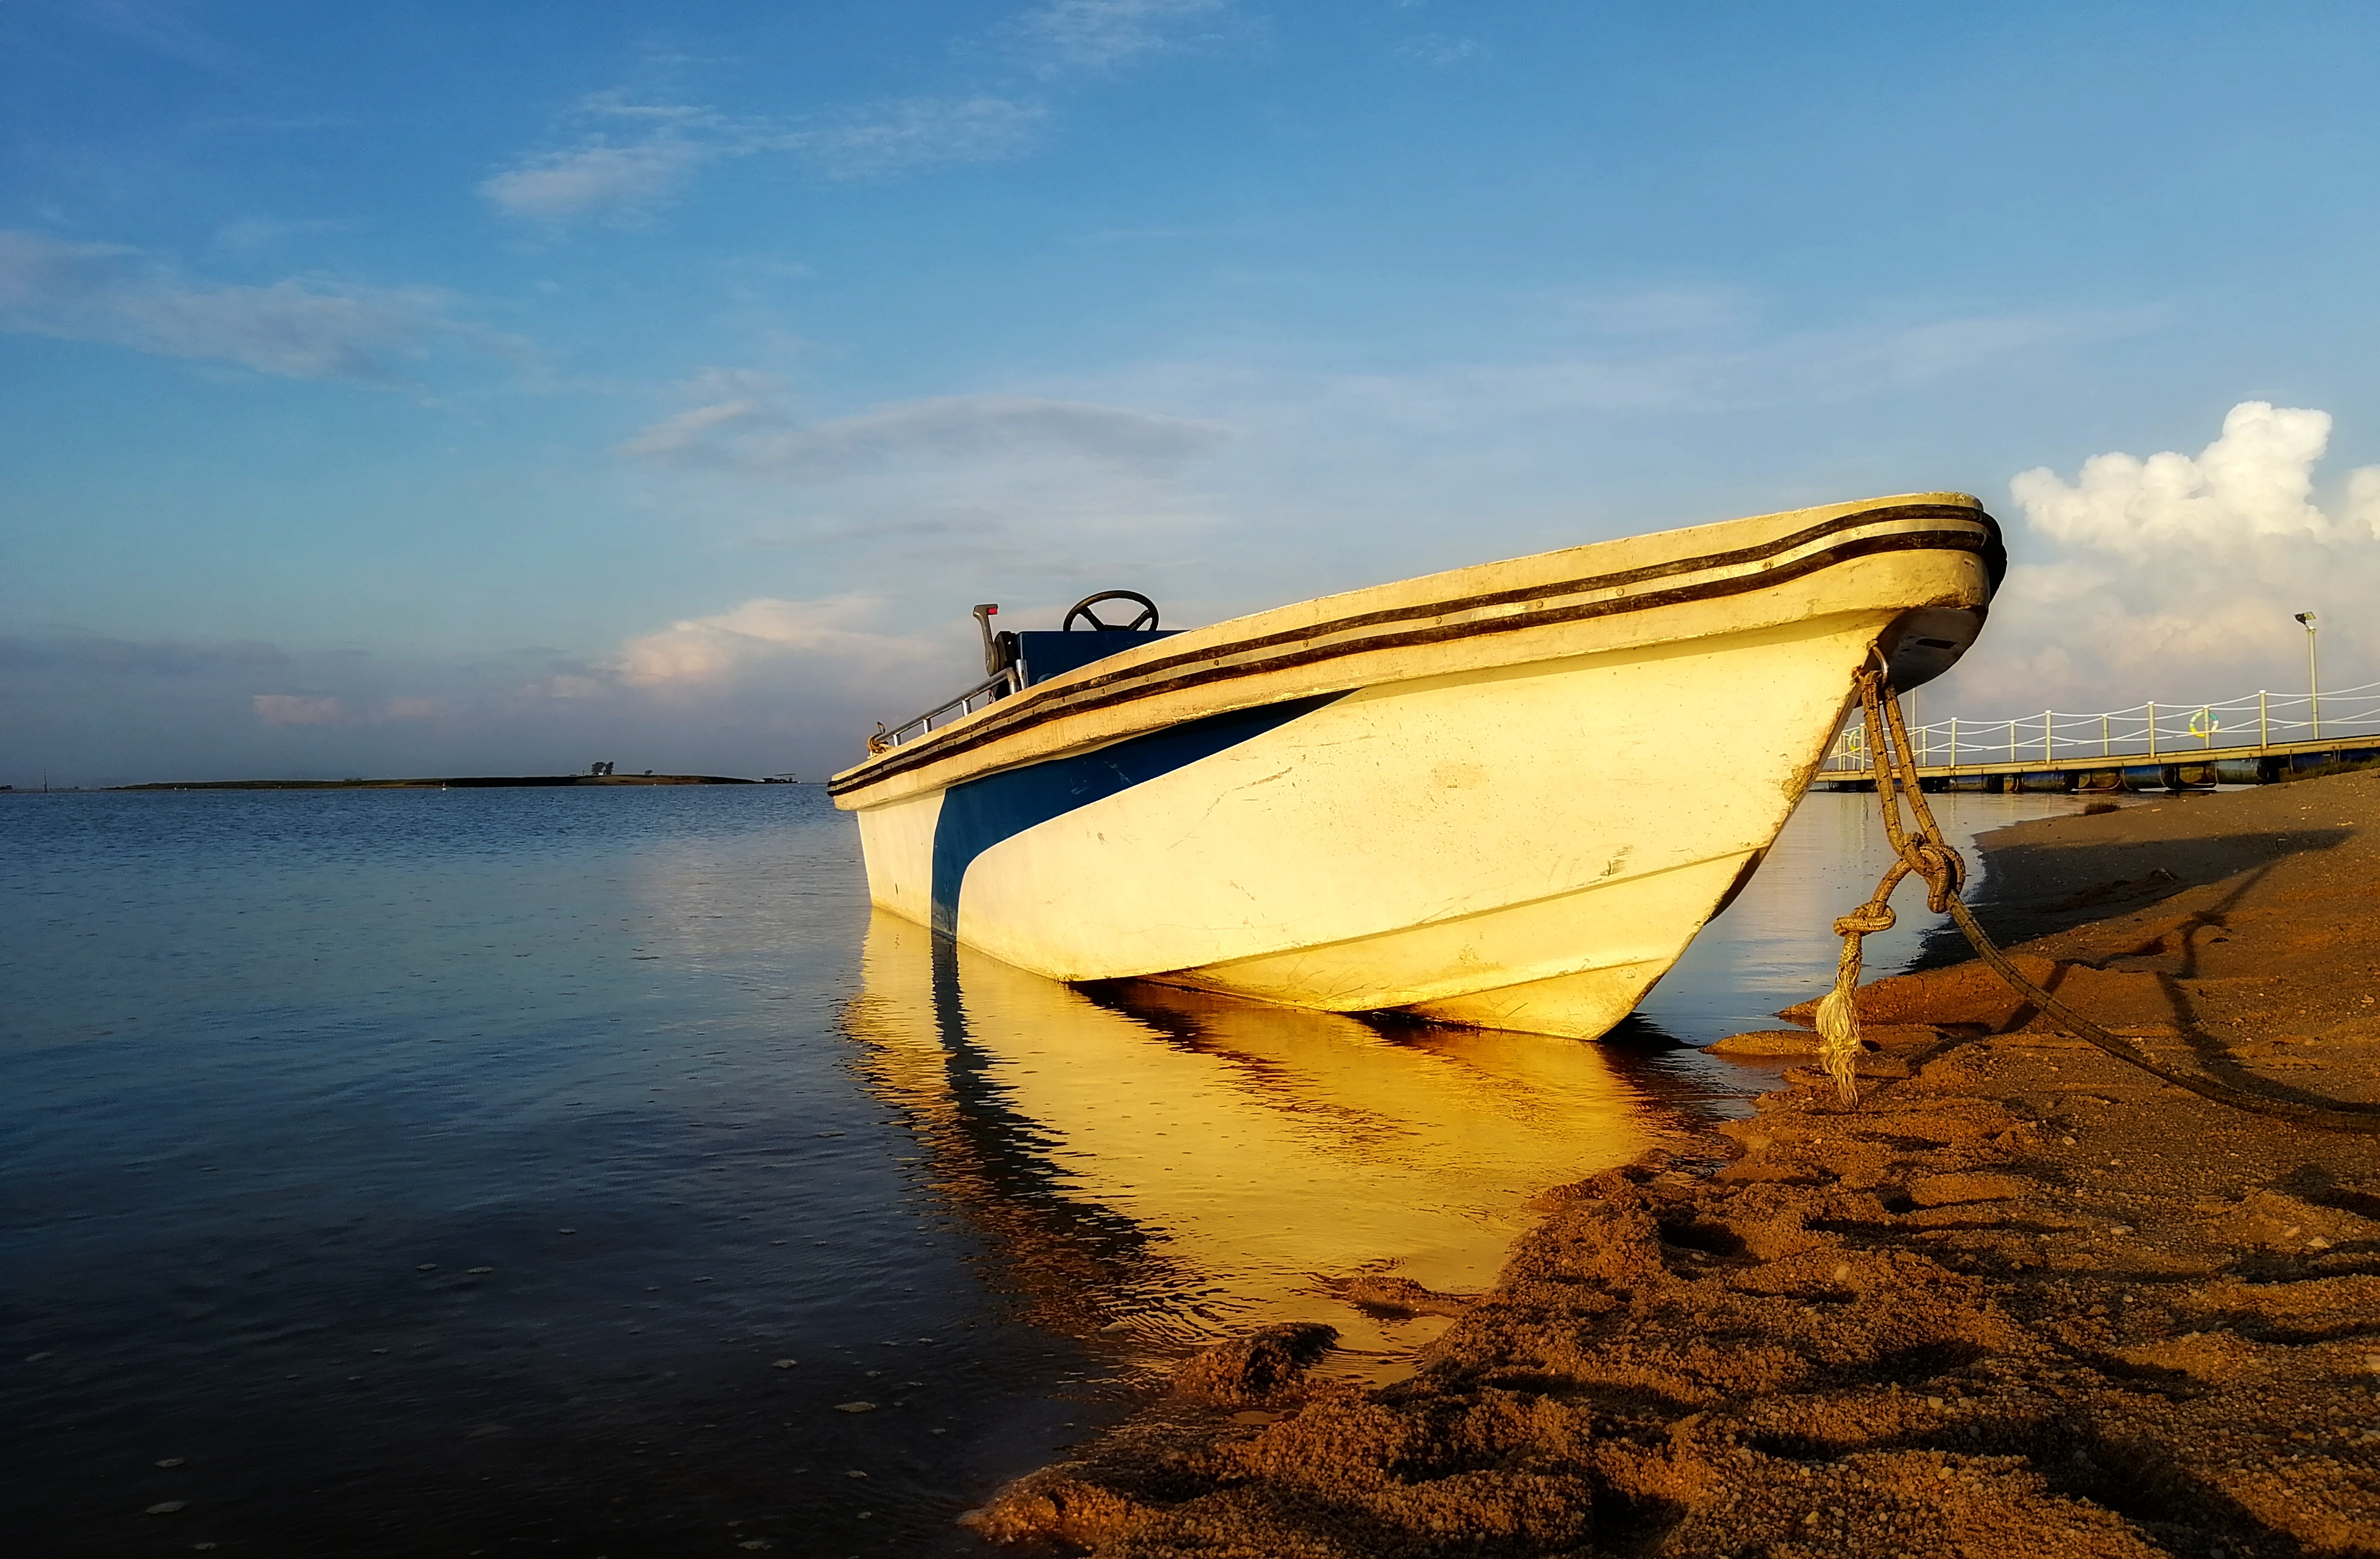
981, 813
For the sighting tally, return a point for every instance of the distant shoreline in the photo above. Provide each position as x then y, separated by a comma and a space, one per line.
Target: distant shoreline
469, 782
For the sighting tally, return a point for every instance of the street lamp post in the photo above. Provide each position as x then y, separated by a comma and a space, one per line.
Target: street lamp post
2314, 672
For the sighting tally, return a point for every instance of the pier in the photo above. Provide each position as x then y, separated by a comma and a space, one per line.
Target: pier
2251, 740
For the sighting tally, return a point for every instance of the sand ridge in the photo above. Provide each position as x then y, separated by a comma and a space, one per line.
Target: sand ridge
2023, 1300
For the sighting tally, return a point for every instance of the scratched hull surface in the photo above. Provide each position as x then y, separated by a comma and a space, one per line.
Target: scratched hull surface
1507, 796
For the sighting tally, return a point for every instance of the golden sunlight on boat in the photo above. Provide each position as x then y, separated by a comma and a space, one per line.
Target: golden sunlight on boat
1506, 795
1176, 1166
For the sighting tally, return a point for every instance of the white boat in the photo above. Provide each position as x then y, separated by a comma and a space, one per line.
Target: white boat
1505, 796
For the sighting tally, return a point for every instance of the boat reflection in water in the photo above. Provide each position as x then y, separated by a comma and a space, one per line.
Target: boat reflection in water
1172, 1166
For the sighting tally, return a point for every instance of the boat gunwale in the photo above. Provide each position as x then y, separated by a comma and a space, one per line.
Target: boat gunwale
1066, 697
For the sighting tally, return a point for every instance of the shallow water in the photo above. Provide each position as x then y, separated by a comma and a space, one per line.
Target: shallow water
1775, 946
448, 1171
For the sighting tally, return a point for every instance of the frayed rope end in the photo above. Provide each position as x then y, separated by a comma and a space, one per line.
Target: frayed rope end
1839, 1031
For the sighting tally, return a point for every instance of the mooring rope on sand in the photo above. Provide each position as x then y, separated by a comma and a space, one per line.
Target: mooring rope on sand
1925, 854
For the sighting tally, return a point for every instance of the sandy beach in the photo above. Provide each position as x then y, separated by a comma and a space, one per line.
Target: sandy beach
2021, 1299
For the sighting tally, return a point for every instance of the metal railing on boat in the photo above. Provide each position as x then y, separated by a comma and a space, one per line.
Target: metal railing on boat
984, 692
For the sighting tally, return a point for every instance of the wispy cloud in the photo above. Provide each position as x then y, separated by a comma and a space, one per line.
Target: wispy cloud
293, 329
763, 686
895, 137
1694, 353
1433, 48
621, 160
163, 29
248, 235
291, 709
100, 655
623, 182
274, 124
1178, 474
749, 431
1671, 310
829, 638
628, 160
310, 709
1100, 36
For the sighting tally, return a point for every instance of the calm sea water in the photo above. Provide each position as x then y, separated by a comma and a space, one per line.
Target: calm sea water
586, 1172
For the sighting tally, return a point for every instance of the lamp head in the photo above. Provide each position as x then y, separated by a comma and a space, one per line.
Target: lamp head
2306, 618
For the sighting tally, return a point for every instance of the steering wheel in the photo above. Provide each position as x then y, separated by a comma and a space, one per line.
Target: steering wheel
1145, 617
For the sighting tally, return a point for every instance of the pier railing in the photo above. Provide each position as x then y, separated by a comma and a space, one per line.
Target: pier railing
2249, 726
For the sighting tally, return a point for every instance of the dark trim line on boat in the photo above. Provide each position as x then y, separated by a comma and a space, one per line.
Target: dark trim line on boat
1140, 681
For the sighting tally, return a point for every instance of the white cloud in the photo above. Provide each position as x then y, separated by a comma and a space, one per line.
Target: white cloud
620, 181
2177, 577
749, 432
297, 330
821, 639
631, 159
289, 709
1100, 35
2253, 482
895, 137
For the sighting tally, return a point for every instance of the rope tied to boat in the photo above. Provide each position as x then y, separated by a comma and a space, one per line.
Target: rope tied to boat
1925, 854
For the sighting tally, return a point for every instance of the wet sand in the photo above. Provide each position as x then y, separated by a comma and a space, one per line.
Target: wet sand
2023, 1300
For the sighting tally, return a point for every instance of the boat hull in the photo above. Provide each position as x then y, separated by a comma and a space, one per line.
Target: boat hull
1517, 828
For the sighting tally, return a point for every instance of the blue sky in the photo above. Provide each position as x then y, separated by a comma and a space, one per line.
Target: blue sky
478, 389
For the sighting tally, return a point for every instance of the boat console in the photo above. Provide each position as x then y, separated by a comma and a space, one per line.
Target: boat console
1037, 657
